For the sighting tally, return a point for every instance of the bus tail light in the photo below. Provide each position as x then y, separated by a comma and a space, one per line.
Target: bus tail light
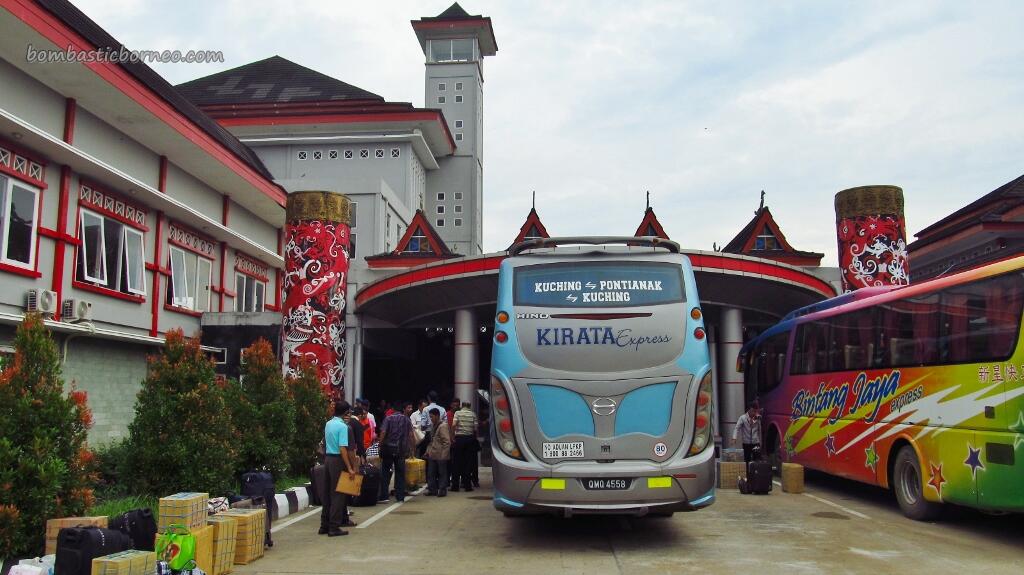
503, 427
500, 337
702, 416
699, 333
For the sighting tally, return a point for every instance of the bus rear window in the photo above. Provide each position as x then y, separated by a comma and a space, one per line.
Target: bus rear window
598, 284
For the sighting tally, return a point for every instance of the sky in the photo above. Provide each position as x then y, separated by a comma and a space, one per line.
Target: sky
593, 103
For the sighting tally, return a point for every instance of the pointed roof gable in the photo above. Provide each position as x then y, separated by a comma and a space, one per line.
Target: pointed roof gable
273, 80
532, 228
763, 226
419, 244
650, 226
454, 12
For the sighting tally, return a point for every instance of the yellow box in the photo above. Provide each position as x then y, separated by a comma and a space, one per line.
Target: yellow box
415, 472
659, 482
53, 527
187, 509
204, 547
553, 484
252, 529
225, 531
131, 562
792, 478
729, 473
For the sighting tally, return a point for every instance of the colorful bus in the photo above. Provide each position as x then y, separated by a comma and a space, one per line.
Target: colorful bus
600, 380
918, 389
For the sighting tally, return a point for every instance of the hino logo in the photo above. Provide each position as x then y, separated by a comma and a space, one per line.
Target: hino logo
532, 316
604, 406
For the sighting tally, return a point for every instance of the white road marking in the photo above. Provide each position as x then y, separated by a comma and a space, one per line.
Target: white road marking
281, 526
827, 502
389, 509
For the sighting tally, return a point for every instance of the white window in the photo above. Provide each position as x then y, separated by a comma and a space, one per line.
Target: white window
378, 153
440, 209
318, 155
396, 152
190, 280
442, 87
458, 209
456, 50
364, 153
458, 222
249, 293
332, 154
458, 195
440, 196
110, 254
303, 155
19, 210
458, 136
458, 86
458, 98
440, 222
348, 154
458, 123
440, 100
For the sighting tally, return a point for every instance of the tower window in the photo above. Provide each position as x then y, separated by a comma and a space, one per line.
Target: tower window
458, 123
458, 98
453, 50
442, 87
440, 196
440, 209
440, 222
458, 86
458, 222
440, 100
458, 136
458, 195
458, 208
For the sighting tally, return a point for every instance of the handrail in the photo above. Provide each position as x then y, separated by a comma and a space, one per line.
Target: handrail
536, 243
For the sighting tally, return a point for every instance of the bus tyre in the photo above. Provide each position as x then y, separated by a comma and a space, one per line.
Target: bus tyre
908, 484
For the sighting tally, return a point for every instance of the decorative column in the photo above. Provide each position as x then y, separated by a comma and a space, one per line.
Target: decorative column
872, 237
466, 360
716, 409
730, 340
316, 270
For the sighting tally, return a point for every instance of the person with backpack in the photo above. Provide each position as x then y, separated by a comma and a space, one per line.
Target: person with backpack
396, 443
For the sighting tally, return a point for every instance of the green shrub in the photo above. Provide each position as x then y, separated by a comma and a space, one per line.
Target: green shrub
263, 411
112, 463
46, 468
118, 505
312, 405
182, 437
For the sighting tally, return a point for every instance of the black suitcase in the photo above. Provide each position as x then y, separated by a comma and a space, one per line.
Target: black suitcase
759, 477
261, 484
78, 546
139, 525
318, 483
371, 487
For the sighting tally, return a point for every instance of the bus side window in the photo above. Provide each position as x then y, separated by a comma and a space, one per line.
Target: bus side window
811, 351
854, 340
980, 321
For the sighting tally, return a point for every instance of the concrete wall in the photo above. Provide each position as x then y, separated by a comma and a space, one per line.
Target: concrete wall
30, 100
458, 175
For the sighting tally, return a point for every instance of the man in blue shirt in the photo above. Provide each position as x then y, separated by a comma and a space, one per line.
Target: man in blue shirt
338, 460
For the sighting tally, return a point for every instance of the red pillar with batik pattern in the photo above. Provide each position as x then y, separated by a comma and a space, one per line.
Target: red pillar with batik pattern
316, 254
872, 235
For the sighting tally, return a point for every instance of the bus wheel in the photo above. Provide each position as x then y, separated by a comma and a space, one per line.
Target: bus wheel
908, 484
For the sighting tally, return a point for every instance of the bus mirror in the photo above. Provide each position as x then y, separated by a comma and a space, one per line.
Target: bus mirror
741, 361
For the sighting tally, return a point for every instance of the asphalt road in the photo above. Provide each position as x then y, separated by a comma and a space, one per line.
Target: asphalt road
836, 527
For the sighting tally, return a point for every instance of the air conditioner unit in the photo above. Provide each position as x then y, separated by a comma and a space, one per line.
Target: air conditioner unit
41, 301
76, 310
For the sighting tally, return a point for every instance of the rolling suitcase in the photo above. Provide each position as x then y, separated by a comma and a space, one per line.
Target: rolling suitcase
78, 546
759, 477
371, 487
260, 484
139, 525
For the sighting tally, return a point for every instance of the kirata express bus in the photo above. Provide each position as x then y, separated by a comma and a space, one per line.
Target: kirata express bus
919, 389
600, 380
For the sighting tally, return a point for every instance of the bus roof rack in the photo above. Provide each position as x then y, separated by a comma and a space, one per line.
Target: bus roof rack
648, 241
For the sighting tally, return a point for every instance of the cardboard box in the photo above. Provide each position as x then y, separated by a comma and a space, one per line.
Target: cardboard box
251, 535
729, 473
187, 509
792, 478
204, 547
131, 562
225, 532
53, 527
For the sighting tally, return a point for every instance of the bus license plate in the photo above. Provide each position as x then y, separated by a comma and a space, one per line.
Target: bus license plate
605, 484
572, 450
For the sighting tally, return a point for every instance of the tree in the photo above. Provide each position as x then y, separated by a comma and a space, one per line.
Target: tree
46, 467
263, 410
182, 437
312, 406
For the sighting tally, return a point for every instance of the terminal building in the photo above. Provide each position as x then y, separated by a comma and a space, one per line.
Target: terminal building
132, 207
